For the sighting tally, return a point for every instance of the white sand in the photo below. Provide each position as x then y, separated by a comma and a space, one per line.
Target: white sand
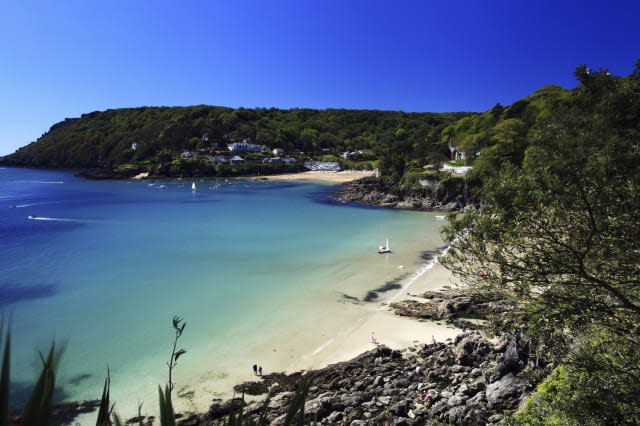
322, 176
352, 339
141, 175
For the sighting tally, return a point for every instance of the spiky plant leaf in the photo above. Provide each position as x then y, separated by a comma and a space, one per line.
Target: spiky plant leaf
297, 404
104, 410
177, 355
4, 378
265, 409
167, 415
37, 409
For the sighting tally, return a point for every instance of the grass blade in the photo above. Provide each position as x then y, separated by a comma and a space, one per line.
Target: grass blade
297, 404
4, 378
36, 412
104, 410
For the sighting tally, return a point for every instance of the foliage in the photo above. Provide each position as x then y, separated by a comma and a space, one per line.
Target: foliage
167, 415
178, 328
105, 139
557, 232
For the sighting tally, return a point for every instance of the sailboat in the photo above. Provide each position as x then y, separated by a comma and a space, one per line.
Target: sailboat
193, 186
384, 248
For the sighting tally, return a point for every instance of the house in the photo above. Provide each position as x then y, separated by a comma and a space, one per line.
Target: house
236, 159
327, 166
277, 151
134, 146
456, 170
351, 155
289, 160
272, 160
457, 154
244, 146
205, 137
218, 159
187, 154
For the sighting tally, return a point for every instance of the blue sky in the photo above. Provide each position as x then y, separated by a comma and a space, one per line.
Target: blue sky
63, 58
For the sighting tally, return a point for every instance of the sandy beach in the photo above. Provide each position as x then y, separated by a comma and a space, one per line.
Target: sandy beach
322, 176
374, 324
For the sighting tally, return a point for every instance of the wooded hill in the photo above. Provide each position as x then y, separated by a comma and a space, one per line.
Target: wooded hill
161, 134
398, 143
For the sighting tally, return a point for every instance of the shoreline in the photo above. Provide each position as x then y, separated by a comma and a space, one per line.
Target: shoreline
319, 176
374, 322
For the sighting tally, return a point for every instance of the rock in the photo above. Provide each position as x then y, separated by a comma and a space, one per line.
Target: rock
475, 417
505, 393
335, 416
515, 356
319, 408
379, 381
496, 418
456, 400
384, 399
456, 414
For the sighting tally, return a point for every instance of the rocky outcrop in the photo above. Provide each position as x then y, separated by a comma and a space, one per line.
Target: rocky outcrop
463, 382
461, 308
372, 191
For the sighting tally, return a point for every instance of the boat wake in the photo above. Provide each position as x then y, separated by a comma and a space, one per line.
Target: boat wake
53, 219
20, 206
47, 182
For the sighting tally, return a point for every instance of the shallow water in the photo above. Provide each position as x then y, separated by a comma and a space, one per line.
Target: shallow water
252, 266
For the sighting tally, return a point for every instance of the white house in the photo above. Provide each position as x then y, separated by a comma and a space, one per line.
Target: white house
244, 147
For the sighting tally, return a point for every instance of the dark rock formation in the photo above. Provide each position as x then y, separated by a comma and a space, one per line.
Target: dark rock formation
378, 192
454, 385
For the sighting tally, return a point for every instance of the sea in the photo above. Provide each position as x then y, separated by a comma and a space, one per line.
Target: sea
261, 272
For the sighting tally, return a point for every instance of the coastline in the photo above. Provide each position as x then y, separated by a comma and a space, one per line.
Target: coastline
352, 340
320, 176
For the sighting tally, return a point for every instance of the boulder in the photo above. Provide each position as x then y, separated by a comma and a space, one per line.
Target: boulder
505, 393
515, 356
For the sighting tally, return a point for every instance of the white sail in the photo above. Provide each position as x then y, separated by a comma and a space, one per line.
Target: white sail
193, 186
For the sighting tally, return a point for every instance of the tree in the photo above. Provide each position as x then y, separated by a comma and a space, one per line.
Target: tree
560, 234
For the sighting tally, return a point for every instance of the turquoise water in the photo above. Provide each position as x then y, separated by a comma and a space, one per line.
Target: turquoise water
102, 266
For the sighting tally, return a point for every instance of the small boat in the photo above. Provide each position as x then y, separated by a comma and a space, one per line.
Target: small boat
193, 186
384, 248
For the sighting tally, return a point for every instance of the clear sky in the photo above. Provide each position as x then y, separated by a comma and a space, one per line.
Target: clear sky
63, 58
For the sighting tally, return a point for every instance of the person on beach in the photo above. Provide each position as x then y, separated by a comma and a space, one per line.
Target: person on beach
373, 339
260, 371
433, 340
255, 369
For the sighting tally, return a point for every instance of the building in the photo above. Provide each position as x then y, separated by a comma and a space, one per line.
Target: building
278, 151
134, 146
187, 154
236, 159
244, 146
218, 159
327, 166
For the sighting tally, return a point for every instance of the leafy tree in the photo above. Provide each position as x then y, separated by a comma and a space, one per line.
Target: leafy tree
560, 236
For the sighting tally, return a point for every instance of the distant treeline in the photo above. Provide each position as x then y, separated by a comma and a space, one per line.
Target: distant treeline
399, 144
104, 139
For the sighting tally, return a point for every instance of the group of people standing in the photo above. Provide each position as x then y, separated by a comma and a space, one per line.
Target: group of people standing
257, 370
